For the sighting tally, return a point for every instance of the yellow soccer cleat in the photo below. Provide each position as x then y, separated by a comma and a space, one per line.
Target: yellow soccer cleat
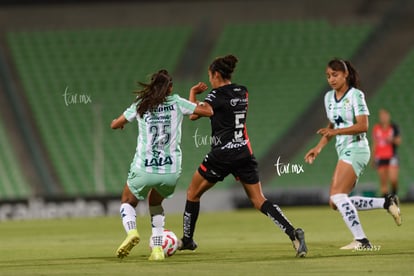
157, 254
130, 241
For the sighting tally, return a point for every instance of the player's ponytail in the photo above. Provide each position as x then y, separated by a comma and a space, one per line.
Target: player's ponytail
224, 65
153, 93
346, 66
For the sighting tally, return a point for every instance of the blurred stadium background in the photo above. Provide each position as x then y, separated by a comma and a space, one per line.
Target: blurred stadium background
67, 68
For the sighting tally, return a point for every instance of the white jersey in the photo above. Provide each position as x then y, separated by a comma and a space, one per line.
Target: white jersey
342, 113
159, 138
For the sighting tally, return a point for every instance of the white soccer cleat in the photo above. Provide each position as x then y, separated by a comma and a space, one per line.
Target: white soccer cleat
357, 244
352, 246
394, 209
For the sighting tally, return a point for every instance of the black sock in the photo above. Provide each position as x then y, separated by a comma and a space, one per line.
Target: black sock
365, 243
394, 190
387, 202
273, 211
190, 218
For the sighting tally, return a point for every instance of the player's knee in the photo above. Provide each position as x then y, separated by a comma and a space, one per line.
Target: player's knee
192, 194
257, 202
129, 199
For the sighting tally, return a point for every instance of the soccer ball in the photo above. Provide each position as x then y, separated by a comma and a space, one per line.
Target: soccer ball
169, 243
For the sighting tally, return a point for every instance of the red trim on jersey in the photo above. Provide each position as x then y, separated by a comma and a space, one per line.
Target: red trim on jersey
383, 147
203, 168
246, 136
249, 146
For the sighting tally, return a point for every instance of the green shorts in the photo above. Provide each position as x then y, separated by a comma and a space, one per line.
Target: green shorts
140, 183
357, 157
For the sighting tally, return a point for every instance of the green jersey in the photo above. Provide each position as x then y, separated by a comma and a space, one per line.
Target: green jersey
342, 113
158, 147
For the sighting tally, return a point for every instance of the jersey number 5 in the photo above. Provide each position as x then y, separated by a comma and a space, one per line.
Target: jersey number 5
239, 124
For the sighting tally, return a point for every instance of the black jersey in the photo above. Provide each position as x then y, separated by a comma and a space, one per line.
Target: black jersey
228, 124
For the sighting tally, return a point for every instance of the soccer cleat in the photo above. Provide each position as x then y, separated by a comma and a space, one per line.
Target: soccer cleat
299, 243
130, 241
157, 254
187, 244
393, 208
357, 245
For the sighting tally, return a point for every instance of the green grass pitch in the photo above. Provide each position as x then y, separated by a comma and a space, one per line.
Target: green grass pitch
230, 243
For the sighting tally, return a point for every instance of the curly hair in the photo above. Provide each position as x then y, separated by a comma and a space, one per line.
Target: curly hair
224, 65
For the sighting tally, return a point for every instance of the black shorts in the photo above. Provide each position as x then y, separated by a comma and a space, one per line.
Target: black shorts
387, 162
214, 170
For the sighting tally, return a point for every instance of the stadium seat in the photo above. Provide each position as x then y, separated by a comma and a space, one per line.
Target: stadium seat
396, 96
103, 65
13, 184
282, 76
282, 64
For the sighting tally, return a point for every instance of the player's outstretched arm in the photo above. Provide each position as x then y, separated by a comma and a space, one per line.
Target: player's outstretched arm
119, 122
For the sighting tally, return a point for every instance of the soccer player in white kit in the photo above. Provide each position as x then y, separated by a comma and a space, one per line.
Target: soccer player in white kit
156, 166
348, 114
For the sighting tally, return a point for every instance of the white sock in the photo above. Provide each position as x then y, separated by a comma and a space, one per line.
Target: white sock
128, 216
349, 215
367, 203
157, 222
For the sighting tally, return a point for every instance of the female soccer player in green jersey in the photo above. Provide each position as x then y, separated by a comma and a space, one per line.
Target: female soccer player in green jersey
348, 114
156, 166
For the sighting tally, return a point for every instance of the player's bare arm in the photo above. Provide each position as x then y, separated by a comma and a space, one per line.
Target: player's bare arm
203, 109
360, 126
314, 152
119, 122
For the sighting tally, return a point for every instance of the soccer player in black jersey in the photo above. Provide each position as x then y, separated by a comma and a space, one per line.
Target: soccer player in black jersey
231, 153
